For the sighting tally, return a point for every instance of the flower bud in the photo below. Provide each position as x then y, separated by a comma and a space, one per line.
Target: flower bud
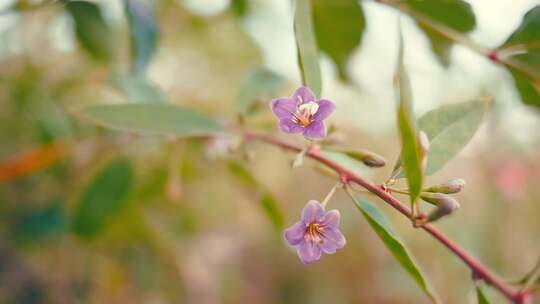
446, 205
369, 158
452, 186
434, 198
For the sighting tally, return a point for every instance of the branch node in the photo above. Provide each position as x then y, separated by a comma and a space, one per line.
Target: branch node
493, 55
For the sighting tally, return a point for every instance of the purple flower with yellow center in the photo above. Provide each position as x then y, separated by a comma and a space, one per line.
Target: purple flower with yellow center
303, 113
317, 232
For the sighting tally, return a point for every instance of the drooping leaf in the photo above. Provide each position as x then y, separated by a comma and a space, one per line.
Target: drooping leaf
308, 53
269, 204
260, 83
143, 31
339, 25
104, 199
411, 155
137, 88
524, 43
454, 14
92, 32
449, 128
393, 242
156, 118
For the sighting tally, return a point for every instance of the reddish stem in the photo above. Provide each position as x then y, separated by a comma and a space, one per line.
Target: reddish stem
479, 269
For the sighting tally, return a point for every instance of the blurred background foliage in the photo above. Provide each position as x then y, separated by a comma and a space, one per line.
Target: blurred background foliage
91, 215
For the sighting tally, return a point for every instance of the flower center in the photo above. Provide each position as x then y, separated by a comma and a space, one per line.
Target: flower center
314, 232
305, 112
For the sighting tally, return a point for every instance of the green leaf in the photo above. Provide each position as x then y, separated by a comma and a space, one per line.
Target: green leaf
272, 210
260, 83
525, 43
137, 88
339, 25
480, 297
454, 14
143, 33
308, 53
411, 154
38, 225
92, 31
392, 241
156, 118
449, 128
104, 199
528, 32
269, 204
239, 7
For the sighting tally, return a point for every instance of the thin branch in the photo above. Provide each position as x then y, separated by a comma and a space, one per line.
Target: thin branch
347, 175
460, 38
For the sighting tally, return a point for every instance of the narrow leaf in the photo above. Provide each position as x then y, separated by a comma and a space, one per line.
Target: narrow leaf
104, 198
393, 242
449, 128
411, 156
308, 54
272, 210
454, 14
156, 118
92, 32
480, 297
143, 33
339, 25
259, 84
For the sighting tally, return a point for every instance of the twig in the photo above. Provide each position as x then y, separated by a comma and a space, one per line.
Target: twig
347, 176
495, 55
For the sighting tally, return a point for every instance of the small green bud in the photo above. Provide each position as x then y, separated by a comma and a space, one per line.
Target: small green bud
446, 205
434, 198
369, 158
452, 186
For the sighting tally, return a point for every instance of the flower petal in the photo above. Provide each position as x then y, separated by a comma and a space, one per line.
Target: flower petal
309, 252
326, 107
331, 219
295, 234
313, 212
283, 107
316, 130
335, 236
304, 93
288, 126
328, 246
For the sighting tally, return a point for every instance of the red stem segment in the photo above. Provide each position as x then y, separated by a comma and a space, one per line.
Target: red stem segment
479, 269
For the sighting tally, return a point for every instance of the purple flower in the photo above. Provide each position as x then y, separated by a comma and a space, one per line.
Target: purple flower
302, 113
315, 233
